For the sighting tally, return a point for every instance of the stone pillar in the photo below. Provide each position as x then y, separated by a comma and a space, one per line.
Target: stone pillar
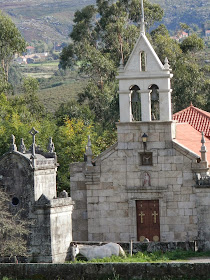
165, 105
89, 153
145, 106
125, 106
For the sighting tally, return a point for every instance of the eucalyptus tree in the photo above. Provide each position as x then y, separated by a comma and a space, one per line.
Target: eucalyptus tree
102, 36
11, 42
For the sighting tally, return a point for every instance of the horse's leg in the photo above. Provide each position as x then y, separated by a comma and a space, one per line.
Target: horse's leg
121, 251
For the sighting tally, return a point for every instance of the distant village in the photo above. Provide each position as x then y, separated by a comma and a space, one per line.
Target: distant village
33, 57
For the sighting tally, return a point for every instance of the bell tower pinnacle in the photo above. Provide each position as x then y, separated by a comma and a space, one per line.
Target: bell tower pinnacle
142, 18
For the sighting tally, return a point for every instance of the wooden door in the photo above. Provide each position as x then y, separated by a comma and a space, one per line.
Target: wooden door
148, 220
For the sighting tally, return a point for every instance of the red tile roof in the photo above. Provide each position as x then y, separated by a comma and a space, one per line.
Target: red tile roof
197, 118
189, 137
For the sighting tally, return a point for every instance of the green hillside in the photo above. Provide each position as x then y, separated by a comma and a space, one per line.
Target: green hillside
48, 20
51, 20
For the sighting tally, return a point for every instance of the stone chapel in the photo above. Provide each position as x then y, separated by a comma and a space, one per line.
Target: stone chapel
149, 184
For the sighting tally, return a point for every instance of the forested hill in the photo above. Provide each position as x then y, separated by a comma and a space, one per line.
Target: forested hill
52, 19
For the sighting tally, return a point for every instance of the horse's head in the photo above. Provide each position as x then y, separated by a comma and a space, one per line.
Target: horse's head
75, 251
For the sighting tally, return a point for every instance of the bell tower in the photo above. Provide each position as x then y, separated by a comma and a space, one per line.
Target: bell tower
144, 83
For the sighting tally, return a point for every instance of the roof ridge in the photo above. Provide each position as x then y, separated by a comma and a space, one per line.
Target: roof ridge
191, 107
197, 118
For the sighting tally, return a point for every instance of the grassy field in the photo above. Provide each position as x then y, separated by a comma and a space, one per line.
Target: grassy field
52, 98
56, 87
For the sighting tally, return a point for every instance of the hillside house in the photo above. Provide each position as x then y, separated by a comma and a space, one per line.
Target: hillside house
30, 50
207, 33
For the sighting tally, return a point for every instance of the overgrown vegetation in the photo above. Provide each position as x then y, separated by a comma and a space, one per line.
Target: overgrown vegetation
13, 230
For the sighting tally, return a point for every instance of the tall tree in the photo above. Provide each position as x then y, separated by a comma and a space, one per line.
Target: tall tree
192, 44
11, 42
103, 36
30, 88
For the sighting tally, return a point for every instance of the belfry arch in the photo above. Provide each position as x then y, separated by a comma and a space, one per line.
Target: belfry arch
154, 97
135, 102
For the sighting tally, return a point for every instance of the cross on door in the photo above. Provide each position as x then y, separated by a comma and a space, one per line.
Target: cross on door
141, 215
148, 223
155, 214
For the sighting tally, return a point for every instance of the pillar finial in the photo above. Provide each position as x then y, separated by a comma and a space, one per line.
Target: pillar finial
51, 146
203, 148
121, 67
13, 146
22, 147
166, 64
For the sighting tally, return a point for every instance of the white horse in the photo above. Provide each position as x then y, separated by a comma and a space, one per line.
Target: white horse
98, 252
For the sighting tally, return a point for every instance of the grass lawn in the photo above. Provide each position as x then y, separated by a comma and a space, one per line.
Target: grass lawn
158, 256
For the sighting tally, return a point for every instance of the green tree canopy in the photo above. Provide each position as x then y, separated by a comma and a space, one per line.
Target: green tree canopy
30, 87
102, 36
11, 42
192, 44
111, 29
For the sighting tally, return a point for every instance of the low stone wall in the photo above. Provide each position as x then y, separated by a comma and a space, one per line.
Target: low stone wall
102, 271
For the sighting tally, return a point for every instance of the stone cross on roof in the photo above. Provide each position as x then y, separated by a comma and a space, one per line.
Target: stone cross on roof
33, 132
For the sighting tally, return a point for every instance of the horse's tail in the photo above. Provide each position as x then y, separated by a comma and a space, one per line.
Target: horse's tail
121, 251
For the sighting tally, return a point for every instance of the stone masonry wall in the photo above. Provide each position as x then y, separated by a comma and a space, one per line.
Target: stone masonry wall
79, 195
203, 209
116, 181
100, 271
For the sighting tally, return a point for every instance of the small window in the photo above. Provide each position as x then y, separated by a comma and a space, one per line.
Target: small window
15, 201
142, 61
